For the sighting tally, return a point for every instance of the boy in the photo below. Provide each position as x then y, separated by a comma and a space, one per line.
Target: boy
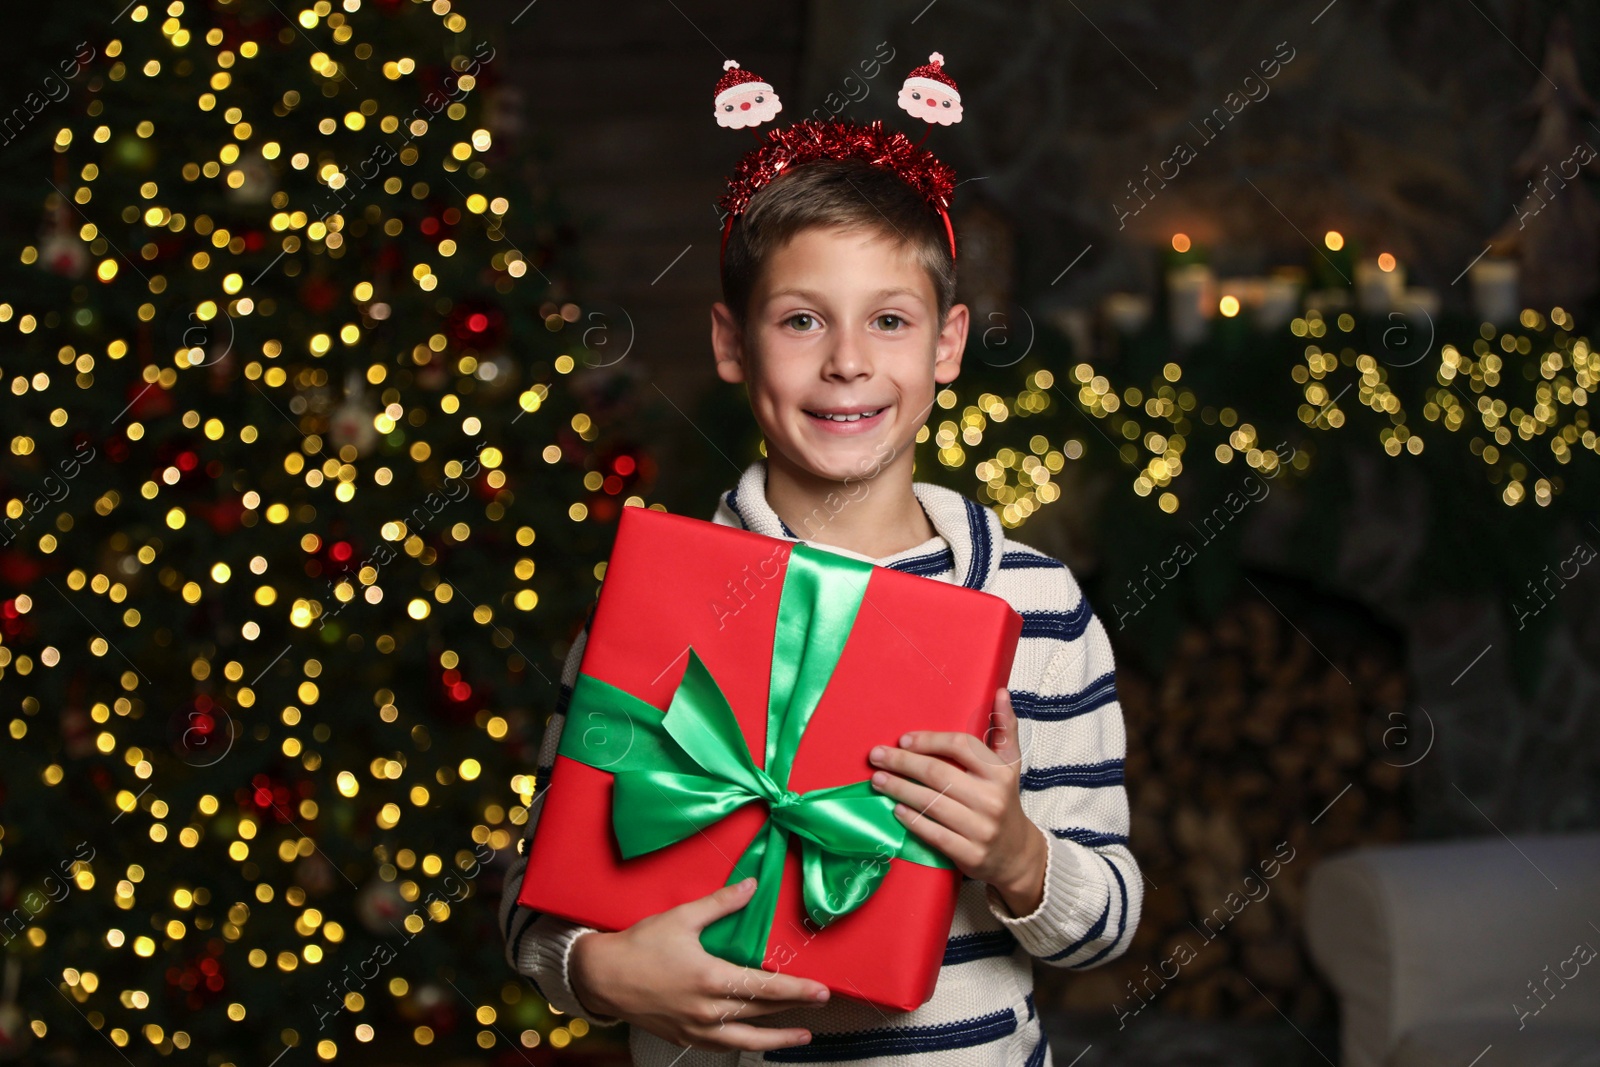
839, 320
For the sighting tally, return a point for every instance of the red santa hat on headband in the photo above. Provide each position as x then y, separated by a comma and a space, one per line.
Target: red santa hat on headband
744, 99
930, 94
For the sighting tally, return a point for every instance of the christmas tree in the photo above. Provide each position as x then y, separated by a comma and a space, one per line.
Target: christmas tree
308, 487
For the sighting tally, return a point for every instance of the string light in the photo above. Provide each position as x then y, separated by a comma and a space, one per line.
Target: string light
1465, 395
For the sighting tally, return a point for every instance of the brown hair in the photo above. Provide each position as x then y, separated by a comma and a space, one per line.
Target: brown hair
849, 193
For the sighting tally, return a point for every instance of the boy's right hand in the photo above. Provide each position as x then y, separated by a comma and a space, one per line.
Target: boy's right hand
656, 975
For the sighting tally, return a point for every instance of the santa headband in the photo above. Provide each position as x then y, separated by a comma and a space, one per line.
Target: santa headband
744, 100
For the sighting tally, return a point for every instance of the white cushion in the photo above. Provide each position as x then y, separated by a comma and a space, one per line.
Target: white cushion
1412, 935
1457, 1044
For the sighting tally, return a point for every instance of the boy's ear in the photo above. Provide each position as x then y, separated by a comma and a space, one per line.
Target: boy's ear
952, 343
727, 343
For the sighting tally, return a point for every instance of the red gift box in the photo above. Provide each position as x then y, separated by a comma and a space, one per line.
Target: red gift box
921, 655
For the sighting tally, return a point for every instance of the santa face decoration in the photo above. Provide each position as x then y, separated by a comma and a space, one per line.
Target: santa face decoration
930, 94
743, 99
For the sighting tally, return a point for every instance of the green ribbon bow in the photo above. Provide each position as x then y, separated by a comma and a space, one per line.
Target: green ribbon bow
680, 772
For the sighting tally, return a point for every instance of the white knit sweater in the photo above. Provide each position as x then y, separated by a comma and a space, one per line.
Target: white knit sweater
1071, 735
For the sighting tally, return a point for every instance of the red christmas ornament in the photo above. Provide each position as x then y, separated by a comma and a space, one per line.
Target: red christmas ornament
181, 455
147, 400
77, 730
271, 796
457, 699
319, 295
225, 516
12, 621
486, 491
168, 246
622, 471
199, 979
200, 730
477, 323
77, 735
18, 570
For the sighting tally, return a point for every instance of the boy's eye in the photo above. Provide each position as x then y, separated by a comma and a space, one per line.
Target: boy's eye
800, 321
890, 322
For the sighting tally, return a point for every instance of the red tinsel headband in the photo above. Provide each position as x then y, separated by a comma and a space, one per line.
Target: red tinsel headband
745, 100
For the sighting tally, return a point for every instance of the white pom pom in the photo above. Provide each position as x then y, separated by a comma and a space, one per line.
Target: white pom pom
729, 64
936, 59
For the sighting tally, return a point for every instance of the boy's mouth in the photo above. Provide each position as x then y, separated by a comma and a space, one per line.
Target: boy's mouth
845, 415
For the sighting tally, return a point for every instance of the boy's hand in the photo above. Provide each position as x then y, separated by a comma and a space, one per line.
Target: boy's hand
656, 975
971, 812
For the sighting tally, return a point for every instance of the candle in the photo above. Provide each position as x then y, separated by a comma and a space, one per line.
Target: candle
1494, 290
1077, 325
1327, 299
1420, 305
1380, 283
1127, 312
1280, 301
1191, 301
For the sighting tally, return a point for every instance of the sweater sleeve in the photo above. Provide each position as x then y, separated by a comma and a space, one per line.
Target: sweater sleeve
1071, 734
539, 945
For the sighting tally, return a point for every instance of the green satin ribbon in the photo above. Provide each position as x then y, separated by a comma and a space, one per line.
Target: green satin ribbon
680, 772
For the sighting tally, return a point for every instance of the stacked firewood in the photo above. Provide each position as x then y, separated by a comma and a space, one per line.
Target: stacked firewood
1257, 751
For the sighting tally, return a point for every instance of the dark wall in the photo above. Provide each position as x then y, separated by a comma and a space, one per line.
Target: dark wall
618, 98
1396, 122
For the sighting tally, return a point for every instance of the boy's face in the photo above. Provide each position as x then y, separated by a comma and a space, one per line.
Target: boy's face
843, 324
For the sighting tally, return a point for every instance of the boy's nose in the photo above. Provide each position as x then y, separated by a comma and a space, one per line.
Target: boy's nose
847, 360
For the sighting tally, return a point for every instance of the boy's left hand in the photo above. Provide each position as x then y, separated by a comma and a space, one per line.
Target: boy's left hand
971, 812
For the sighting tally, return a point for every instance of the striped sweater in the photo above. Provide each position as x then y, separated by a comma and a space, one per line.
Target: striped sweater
1070, 732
